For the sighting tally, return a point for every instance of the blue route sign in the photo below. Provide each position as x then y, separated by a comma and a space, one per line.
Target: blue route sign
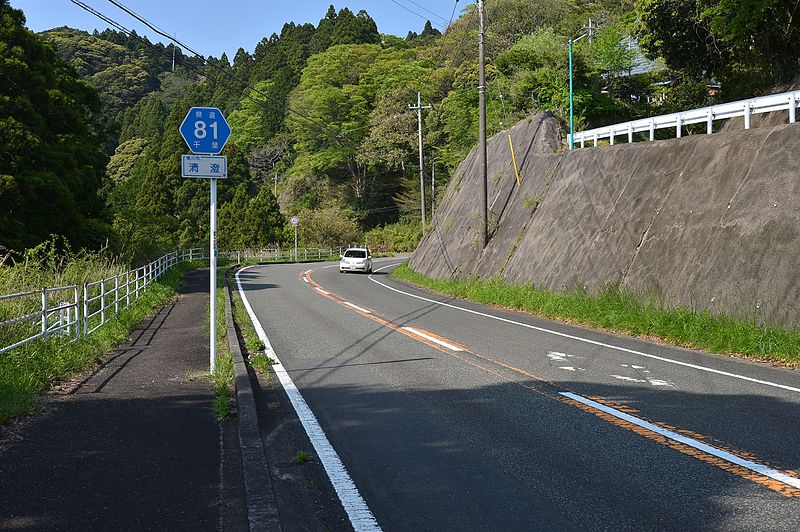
205, 130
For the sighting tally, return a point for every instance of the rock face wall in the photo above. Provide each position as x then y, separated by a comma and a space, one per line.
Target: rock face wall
705, 221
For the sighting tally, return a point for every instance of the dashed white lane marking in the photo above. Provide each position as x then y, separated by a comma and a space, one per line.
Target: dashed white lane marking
360, 515
321, 291
365, 311
700, 446
629, 379
305, 278
571, 368
661, 382
649, 380
432, 339
559, 357
586, 340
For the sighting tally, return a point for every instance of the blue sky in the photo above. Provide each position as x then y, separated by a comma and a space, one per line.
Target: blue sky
213, 27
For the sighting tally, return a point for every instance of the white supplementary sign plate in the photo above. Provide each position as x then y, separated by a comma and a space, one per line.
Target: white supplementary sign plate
204, 166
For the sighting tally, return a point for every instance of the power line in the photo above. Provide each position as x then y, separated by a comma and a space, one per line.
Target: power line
132, 34
244, 84
423, 17
427, 10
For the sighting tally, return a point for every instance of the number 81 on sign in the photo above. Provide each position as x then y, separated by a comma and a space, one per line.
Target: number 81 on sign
205, 130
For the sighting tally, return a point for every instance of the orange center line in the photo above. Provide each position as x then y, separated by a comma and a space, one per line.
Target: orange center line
775, 485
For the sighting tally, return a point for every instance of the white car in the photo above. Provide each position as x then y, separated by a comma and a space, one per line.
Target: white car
356, 260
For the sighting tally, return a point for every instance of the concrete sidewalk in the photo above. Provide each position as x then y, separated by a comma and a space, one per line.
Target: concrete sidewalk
135, 445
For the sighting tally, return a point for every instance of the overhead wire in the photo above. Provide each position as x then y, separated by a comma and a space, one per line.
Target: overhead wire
423, 17
244, 84
119, 27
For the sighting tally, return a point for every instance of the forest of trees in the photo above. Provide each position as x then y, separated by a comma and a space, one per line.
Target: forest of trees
319, 113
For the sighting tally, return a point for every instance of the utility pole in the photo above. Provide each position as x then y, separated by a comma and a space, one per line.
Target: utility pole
275, 182
482, 126
433, 182
419, 109
173, 55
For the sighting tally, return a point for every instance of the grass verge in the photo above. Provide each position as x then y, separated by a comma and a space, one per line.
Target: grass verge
28, 370
222, 378
617, 310
253, 346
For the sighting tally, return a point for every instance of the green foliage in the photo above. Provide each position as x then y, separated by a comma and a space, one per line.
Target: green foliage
251, 222
355, 148
51, 160
328, 227
398, 237
747, 45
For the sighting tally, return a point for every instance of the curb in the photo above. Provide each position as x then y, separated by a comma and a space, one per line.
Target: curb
262, 508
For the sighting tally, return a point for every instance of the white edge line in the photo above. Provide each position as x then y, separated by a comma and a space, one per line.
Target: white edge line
360, 515
432, 339
365, 311
592, 342
708, 449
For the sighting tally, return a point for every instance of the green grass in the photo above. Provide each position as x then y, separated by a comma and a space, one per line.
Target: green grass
622, 311
301, 457
222, 378
253, 345
28, 370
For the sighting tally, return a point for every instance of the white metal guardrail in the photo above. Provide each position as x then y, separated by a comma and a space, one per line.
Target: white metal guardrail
786, 101
72, 311
277, 254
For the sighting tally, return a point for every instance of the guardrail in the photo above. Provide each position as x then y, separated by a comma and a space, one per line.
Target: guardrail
786, 101
75, 311
277, 254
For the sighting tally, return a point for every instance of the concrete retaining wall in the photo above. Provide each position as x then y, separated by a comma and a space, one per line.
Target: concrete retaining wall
705, 221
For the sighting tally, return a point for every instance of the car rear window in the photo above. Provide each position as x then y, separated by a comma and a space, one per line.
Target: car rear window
356, 253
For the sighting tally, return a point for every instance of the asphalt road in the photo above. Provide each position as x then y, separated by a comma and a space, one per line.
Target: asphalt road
449, 415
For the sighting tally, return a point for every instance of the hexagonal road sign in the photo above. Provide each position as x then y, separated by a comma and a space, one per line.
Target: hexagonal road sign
205, 130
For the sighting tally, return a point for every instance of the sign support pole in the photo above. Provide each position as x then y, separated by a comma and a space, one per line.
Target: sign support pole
205, 131
213, 268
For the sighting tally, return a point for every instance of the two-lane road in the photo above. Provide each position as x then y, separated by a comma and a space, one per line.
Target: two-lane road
448, 415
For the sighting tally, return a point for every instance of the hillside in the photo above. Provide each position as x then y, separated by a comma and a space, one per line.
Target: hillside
708, 222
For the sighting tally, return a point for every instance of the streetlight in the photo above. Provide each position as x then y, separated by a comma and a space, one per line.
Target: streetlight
571, 116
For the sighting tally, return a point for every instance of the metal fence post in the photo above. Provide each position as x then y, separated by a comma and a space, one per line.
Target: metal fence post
127, 289
792, 108
116, 294
710, 122
85, 310
747, 115
102, 301
137, 285
77, 313
44, 312
678, 127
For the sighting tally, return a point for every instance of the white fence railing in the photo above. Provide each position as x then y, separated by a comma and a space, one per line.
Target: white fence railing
72, 311
786, 101
278, 254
